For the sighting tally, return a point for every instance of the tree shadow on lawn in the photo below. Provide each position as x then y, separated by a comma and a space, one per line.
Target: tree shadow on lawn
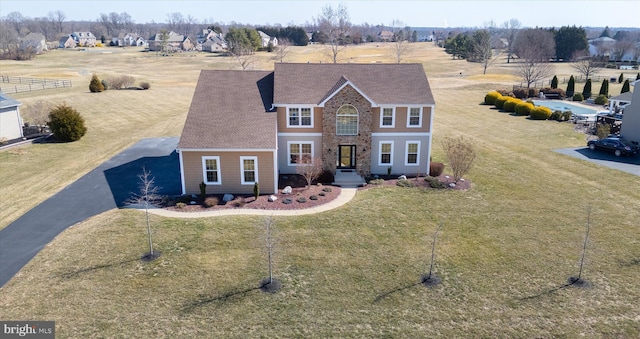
207, 299
73, 274
572, 281
424, 280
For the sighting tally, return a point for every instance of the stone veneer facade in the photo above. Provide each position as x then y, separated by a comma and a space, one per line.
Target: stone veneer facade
330, 141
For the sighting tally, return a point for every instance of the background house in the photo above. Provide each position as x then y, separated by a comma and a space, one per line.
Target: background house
172, 42
10, 120
84, 39
67, 42
359, 120
34, 41
266, 40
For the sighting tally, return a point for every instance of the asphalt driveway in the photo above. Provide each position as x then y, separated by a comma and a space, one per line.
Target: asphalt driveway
629, 164
106, 187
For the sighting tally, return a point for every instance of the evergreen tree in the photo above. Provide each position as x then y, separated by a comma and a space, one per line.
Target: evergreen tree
586, 91
638, 76
606, 33
625, 87
621, 78
569, 41
554, 82
95, 85
66, 123
571, 87
604, 88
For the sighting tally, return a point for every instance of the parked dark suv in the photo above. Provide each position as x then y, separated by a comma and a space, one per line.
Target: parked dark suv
616, 145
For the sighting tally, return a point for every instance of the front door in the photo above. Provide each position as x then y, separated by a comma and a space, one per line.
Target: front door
346, 157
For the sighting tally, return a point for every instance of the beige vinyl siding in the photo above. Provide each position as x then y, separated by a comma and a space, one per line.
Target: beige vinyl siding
400, 122
282, 122
230, 173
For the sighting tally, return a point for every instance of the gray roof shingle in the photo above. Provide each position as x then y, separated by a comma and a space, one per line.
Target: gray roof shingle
230, 110
383, 83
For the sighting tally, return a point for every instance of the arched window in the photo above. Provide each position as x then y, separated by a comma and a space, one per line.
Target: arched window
347, 120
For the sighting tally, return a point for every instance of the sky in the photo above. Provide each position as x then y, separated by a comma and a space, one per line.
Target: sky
416, 13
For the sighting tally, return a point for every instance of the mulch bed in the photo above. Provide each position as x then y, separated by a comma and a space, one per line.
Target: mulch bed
301, 195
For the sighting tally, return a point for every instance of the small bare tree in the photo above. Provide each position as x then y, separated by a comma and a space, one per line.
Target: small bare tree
244, 56
586, 65
578, 280
37, 114
270, 284
147, 196
430, 279
334, 22
282, 50
309, 168
460, 154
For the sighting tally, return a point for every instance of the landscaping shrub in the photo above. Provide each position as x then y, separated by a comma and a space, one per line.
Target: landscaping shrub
405, 183
436, 169
256, 190
145, 85
586, 91
211, 201
601, 100
434, 182
578, 97
556, 115
566, 115
500, 101
603, 131
540, 113
571, 86
521, 93
604, 88
326, 177
510, 105
533, 92
66, 123
491, 97
120, 82
95, 85
376, 181
180, 205
302, 200
625, 87
327, 189
104, 84
524, 108
554, 82
322, 194
313, 197
621, 77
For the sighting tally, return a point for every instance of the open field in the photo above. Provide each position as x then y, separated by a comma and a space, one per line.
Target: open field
507, 247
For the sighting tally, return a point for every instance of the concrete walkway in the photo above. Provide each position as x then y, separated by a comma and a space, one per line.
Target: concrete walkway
346, 194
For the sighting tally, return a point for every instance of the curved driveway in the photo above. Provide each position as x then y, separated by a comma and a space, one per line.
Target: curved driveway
106, 187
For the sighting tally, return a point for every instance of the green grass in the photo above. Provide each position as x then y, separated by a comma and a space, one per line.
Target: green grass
507, 246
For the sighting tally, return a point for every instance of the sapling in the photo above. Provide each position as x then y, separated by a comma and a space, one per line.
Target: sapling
578, 280
430, 279
147, 196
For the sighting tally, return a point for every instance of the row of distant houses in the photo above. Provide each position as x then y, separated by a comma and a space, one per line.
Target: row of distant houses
606, 47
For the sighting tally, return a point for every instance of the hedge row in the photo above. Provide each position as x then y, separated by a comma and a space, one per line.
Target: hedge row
508, 103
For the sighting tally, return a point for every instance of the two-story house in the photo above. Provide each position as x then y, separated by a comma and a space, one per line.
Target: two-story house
84, 39
245, 127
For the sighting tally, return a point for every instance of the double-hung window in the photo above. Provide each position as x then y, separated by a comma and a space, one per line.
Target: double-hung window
300, 152
249, 170
386, 153
347, 120
387, 117
299, 117
211, 170
412, 157
415, 117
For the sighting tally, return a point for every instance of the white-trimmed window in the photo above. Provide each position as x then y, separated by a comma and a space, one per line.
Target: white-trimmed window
386, 153
414, 117
387, 117
211, 170
299, 151
299, 117
412, 153
347, 120
249, 170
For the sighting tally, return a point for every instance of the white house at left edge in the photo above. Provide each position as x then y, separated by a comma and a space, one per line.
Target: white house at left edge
10, 120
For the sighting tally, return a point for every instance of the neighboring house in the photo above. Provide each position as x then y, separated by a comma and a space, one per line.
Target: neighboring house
174, 42
630, 129
266, 40
84, 39
67, 42
245, 127
617, 103
10, 120
34, 41
385, 36
187, 44
214, 46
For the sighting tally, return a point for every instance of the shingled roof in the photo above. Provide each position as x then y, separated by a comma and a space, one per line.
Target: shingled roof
230, 110
385, 84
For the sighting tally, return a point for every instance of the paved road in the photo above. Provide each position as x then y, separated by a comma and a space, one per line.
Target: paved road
104, 188
629, 164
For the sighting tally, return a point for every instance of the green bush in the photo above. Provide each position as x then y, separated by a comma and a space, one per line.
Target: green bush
586, 91
578, 97
556, 115
95, 85
625, 87
302, 200
491, 97
66, 123
405, 183
601, 100
510, 105
566, 115
256, 190
540, 113
500, 101
313, 197
554, 82
376, 181
621, 77
524, 108
571, 86
434, 182
436, 169
604, 88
